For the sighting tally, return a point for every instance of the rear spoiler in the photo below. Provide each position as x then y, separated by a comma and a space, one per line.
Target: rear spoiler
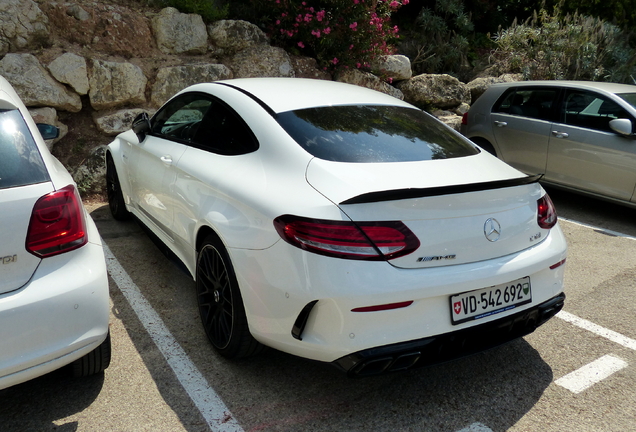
399, 194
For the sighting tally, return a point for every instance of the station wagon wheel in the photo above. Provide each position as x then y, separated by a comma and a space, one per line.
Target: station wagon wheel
220, 303
116, 201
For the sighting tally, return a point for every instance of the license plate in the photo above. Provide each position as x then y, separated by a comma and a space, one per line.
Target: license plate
474, 305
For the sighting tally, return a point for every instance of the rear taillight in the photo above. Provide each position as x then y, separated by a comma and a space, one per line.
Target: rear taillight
57, 224
465, 119
373, 241
546, 215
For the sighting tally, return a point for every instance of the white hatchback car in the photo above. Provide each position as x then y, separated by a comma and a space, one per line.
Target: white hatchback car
339, 224
54, 301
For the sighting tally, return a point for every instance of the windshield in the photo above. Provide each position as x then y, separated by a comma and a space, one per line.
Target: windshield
630, 98
364, 133
20, 160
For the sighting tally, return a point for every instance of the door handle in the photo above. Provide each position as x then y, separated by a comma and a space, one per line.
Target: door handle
560, 134
167, 159
501, 123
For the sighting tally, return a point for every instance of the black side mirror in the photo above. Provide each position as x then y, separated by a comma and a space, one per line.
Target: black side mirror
48, 131
141, 126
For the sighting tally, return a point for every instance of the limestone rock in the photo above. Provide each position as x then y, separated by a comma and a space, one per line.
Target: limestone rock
115, 84
22, 26
35, 85
307, 67
71, 69
235, 35
171, 80
118, 121
395, 67
368, 80
440, 91
478, 86
179, 33
262, 61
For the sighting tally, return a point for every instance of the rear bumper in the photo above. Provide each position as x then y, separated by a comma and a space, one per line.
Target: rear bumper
449, 346
59, 316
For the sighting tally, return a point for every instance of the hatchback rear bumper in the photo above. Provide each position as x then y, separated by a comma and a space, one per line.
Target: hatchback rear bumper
448, 346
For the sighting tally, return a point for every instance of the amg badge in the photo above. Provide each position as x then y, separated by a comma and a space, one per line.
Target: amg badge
436, 258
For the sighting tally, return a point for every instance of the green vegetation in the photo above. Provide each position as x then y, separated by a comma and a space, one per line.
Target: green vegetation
564, 39
556, 46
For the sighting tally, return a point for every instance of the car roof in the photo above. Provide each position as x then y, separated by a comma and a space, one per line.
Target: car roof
589, 85
288, 94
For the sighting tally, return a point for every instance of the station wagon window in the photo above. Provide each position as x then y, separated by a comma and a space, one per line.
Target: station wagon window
363, 133
20, 160
590, 110
202, 121
534, 103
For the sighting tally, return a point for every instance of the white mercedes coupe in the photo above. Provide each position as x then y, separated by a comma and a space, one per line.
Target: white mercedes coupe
339, 224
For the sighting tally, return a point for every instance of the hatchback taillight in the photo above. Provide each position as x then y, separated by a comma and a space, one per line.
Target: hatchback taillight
57, 224
465, 119
546, 215
373, 241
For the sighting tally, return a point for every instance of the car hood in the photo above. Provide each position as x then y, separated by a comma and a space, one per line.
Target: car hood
16, 264
446, 203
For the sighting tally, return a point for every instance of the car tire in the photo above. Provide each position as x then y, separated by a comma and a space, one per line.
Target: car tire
116, 201
220, 303
94, 362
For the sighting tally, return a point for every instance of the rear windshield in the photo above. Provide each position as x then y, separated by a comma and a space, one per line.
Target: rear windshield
20, 160
364, 133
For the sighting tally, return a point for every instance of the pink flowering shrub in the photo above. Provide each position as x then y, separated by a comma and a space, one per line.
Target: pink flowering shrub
338, 33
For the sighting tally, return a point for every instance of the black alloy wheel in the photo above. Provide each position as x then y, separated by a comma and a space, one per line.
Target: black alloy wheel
220, 303
116, 201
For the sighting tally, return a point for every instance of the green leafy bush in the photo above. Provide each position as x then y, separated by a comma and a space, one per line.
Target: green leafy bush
552, 46
338, 33
440, 40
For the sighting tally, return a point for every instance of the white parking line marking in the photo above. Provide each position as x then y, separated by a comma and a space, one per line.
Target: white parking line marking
598, 330
476, 427
585, 377
210, 405
598, 229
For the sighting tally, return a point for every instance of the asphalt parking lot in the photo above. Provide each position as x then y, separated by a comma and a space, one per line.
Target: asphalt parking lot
576, 373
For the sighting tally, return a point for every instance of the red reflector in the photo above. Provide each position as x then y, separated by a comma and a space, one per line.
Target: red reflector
57, 224
383, 307
342, 239
557, 265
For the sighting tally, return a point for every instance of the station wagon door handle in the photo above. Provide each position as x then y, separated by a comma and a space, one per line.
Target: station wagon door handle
501, 123
167, 159
560, 134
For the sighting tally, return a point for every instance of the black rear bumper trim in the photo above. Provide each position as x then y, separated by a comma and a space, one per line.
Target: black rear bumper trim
448, 346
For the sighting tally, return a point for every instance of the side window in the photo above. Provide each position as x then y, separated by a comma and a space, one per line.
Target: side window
590, 110
224, 132
180, 119
534, 103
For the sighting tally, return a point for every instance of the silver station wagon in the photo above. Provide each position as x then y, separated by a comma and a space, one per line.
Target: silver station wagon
579, 135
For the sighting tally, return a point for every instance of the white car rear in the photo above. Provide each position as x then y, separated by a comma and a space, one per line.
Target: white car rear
339, 224
54, 304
